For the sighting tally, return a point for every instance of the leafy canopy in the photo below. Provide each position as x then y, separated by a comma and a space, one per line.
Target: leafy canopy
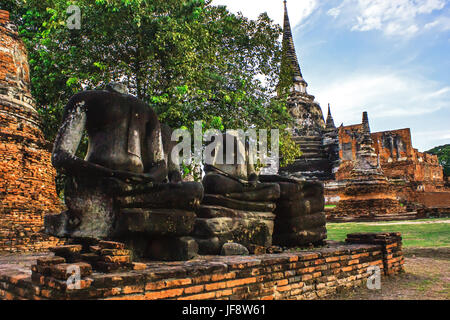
187, 59
443, 153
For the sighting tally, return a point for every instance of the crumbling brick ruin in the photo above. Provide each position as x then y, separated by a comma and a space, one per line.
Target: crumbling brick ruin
367, 191
399, 160
416, 178
27, 187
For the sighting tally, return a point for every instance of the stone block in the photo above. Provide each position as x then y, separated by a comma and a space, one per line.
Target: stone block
218, 200
155, 222
300, 223
256, 229
233, 249
172, 249
301, 238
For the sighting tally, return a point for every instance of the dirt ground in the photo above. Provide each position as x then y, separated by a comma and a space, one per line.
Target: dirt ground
426, 277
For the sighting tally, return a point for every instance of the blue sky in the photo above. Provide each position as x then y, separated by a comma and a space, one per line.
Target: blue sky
388, 57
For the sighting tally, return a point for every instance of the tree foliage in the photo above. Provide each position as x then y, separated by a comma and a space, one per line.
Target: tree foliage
187, 59
443, 153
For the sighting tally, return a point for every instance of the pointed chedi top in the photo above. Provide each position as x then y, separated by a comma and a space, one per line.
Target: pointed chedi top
290, 56
366, 136
330, 120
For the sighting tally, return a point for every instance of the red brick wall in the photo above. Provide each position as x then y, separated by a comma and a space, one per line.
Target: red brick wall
27, 187
298, 275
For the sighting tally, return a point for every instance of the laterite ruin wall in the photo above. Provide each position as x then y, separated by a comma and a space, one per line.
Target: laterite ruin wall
298, 275
398, 158
27, 178
417, 178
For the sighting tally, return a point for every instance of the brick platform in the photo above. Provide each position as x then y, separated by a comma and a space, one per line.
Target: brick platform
297, 275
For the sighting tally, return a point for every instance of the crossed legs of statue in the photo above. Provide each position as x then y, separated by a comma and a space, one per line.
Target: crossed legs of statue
94, 205
215, 183
182, 195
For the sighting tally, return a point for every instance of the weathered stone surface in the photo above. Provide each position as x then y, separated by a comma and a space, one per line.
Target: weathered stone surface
317, 141
300, 219
209, 246
305, 206
301, 238
172, 249
233, 249
49, 261
64, 270
67, 249
155, 222
242, 227
111, 245
218, 200
126, 187
258, 250
301, 223
71, 253
291, 275
291, 191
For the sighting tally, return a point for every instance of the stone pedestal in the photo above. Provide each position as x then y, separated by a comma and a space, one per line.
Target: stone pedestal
300, 218
221, 220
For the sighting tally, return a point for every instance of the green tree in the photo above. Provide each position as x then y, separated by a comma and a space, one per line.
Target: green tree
443, 153
188, 59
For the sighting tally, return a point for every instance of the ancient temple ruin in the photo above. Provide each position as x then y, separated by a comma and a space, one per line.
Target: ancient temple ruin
316, 139
416, 178
367, 192
329, 153
27, 178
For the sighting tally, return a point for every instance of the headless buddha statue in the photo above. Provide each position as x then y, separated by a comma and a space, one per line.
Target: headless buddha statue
125, 169
237, 207
236, 180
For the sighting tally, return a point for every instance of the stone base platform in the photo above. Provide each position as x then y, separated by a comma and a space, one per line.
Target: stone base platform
292, 275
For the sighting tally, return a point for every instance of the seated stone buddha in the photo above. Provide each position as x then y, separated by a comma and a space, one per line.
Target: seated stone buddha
237, 207
236, 179
126, 186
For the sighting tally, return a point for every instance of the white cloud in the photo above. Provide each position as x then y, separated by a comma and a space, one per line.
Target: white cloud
393, 18
425, 140
442, 24
298, 10
384, 95
334, 12
393, 100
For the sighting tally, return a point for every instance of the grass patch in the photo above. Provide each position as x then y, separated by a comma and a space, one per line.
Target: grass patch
414, 235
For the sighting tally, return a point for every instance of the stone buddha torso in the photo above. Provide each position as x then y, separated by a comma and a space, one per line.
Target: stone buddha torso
110, 118
232, 157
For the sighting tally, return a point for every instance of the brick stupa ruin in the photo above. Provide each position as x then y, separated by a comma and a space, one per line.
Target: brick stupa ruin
27, 178
417, 178
368, 192
316, 140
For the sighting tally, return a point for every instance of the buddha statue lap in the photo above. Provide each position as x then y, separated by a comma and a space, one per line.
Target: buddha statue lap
237, 207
